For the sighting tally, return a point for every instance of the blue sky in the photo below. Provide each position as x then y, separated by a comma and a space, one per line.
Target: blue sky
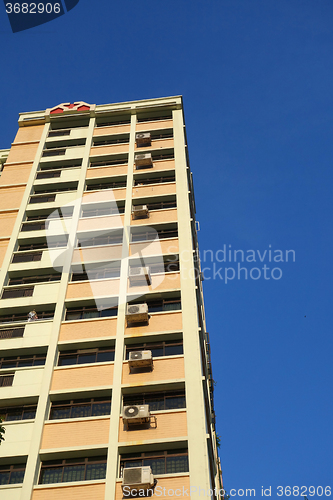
257, 78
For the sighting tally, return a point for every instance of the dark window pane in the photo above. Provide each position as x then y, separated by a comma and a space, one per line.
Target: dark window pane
73, 473
133, 463
101, 409
71, 316
175, 402
25, 362
14, 415
4, 477
86, 358
172, 350
16, 477
61, 412
9, 364
81, 411
67, 360
157, 465
105, 356
157, 351
155, 404
176, 464
39, 362
29, 414
95, 471
52, 475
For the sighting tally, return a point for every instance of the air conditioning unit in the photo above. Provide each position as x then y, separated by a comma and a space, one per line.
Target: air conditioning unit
139, 276
137, 478
143, 160
140, 359
140, 211
137, 313
142, 138
136, 414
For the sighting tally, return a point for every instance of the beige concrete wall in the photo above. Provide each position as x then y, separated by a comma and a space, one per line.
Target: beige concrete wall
76, 433
15, 174
22, 152
167, 322
11, 492
169, 425
107, 222
114, 129
99, 172
164, 369
17, 440
96, 288
154, 190
147, 126
158, 283
7, 221
96, 254
162, 247
78, 377
32, 133
109, 150
88, 329
157, 216
11, 197
79, 492
170, 483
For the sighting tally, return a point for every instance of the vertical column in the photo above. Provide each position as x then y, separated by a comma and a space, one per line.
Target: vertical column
196, 423
112, 463
33, 463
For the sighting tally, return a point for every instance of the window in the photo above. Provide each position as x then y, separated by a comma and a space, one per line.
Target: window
122, 121
80, 408
20, 361
17, 292
35, 226
150, 234
6, 380
154, 180
96, 274
106, 185
27, 257
54, 152
161, 205
81, 356
89, 312
59, 133
111, 141
48, 175
164, 305
60, 242
105, 239
27, 412
95, 212
167, 400
54, 166
163, 462
42, 199
67, 143
167, 348
11, 333
109, 163
162, 116
11, 474
73, 469
163, 156
34, 279
52, 189
168, 266
23, 317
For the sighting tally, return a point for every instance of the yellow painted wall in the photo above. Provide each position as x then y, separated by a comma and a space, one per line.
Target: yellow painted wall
32, 133
169, 425
15, 174
170, 483
82, 377
106, 171
164, 369
115, 129
11, 197
22, 152
147, 126
157, 216
94, 289
7, 221
154, 190
82, 492
71, 434
158, 323
88, 329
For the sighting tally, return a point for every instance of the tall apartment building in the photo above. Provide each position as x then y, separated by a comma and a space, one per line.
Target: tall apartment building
105, 374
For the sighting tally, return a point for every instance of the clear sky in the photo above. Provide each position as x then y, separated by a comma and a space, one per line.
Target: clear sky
257, 79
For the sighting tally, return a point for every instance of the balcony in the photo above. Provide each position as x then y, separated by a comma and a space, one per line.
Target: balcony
63, 153
86, 432
35, 333
56, 200
41, 228
106, 171
59, 135
27, 383
31, 295
82, 377
55, 176
156, 145
88, 329
170, 424
109, 149
122, 128
171, 368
